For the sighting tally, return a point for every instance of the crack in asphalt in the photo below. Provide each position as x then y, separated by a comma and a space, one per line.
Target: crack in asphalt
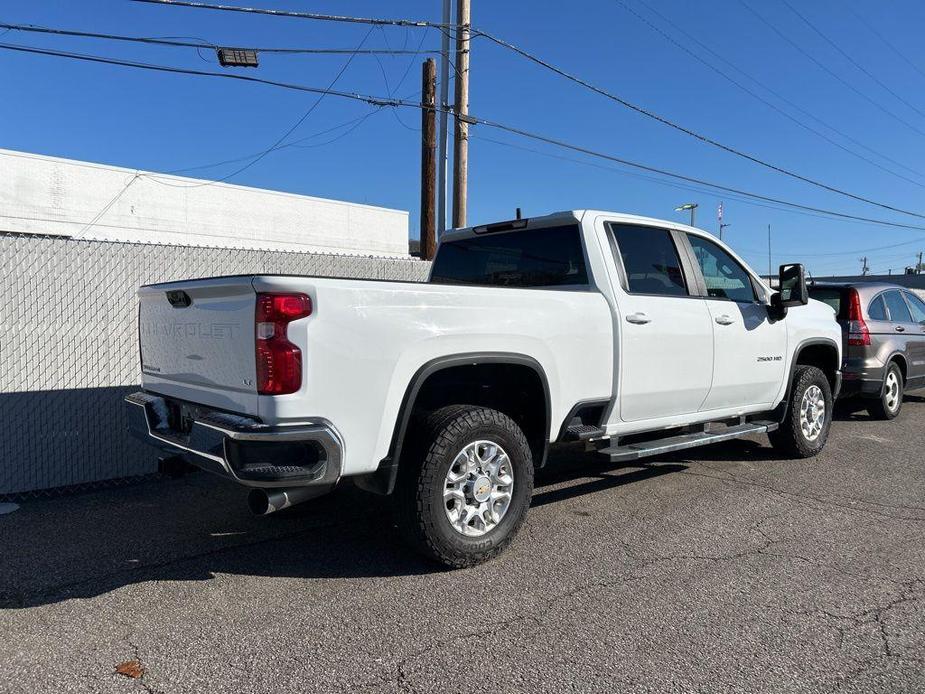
757, 541
726, 476
909, 591
400, 671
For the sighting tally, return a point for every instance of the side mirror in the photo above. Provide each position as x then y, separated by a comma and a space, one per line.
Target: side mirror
791, 281
792, 284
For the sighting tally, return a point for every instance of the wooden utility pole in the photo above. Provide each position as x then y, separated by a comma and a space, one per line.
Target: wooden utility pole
461, 134
442, 141
428, 157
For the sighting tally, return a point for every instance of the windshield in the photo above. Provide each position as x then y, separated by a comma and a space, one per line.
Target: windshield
546, 257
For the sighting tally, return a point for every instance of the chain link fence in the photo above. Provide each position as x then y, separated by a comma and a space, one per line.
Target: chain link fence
69, 347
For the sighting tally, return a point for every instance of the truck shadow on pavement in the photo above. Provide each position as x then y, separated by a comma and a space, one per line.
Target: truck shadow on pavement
197, 527
855, 409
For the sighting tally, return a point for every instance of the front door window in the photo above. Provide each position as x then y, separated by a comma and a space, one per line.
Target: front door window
724, 277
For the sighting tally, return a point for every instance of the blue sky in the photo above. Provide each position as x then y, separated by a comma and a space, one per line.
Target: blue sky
165, 122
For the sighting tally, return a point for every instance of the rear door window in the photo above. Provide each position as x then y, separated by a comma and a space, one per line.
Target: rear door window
650, 260
917, 306
896, 305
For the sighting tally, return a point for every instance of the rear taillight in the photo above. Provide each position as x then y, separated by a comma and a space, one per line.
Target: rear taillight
279, 362
858, 333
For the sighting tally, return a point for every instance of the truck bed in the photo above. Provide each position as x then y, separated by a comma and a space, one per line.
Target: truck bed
362, 345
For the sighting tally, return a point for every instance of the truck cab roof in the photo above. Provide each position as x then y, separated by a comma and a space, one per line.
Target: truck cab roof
567, 217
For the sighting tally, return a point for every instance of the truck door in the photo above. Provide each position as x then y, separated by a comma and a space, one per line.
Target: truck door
665, 349
749, 348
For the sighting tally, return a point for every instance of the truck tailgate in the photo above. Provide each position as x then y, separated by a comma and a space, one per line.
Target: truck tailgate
197, 341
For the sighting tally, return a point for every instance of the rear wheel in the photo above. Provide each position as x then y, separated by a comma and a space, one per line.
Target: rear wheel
464, 493
805, 428
891, 396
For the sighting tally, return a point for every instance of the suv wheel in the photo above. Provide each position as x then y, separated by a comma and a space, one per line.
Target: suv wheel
464, 492
891, 396
805, 428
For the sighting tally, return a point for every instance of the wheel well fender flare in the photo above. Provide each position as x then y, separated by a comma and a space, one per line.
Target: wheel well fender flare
795, 361
388, 467
898, 357
903, 363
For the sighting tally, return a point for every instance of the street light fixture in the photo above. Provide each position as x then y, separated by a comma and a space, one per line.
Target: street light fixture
688, 206
237, 57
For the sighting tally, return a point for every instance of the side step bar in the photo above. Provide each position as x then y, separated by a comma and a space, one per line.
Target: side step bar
583, 432
633, 451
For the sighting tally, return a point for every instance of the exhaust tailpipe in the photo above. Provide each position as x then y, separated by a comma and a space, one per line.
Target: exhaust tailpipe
263, 502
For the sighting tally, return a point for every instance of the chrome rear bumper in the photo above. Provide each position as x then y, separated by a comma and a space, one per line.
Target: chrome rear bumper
241, 448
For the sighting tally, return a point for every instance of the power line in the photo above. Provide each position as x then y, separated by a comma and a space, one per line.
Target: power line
351, 125
394, 102
203, 44
302, 119
888, 43
848, 57
797, 107
373, 100
690, 179
703, 138
826, 69
302, 15
99, 215
856, 250
653, 179
549, 66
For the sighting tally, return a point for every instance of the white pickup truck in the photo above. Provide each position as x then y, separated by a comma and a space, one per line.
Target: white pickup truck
636, 335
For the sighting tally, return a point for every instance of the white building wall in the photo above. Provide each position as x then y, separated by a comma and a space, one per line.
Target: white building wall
49, 195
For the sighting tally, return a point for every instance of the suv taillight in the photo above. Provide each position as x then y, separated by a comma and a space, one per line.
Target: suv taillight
279, 362
858, 333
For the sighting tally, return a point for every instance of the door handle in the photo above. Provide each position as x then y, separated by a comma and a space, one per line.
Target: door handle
725, 320
899, 329
638, 318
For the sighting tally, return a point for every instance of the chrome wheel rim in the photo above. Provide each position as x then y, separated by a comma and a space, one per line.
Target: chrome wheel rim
812, 413
891, 391
479, 488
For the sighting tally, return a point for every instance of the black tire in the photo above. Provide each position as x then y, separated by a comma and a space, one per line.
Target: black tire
881, 407
790, 438
419, 503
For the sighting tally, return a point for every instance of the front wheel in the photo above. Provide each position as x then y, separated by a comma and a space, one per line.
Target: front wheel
464, 494
805, 428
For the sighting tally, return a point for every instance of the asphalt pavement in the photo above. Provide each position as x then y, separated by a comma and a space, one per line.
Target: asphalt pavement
722, 569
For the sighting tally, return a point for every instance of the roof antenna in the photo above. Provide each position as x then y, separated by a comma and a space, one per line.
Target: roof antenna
519, 216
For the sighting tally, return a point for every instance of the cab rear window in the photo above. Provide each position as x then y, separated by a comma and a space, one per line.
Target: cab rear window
546, 257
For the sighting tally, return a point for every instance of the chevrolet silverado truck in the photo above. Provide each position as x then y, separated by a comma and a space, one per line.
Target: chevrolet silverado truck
634, 335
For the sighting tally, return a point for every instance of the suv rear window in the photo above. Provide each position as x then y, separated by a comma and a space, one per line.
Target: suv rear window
546, 257
831, 296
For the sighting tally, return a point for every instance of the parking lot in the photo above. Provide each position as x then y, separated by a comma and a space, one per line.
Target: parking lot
719, 569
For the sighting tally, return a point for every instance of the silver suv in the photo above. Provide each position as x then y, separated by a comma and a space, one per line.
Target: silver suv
883, 336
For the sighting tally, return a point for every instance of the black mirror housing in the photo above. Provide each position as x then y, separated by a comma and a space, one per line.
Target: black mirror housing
792, 285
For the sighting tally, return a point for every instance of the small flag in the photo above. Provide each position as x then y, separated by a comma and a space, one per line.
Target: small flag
719, 212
